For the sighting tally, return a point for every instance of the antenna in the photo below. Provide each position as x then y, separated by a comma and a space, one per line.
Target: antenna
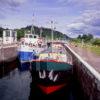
32, 28
51, 34
52, 31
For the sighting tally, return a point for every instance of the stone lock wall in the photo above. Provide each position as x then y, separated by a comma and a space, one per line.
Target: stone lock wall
8, 57
87, 76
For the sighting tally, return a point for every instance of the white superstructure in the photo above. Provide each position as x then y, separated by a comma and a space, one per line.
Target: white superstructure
30, 46
9, 36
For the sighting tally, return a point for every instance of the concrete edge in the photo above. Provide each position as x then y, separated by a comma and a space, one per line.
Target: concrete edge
88, 66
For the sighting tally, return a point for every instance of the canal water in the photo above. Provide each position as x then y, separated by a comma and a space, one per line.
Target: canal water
15, 83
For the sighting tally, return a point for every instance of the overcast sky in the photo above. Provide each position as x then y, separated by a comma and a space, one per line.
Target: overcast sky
71, 17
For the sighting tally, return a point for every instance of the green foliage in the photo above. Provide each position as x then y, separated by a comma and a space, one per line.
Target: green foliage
95, 49
79, 37
85, 37
20, 33
1, 31
46, 32
96, 42
75, 40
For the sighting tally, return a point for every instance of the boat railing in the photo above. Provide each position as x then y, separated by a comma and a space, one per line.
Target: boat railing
60, 57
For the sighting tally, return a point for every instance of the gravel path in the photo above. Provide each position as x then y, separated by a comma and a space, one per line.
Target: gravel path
88, 56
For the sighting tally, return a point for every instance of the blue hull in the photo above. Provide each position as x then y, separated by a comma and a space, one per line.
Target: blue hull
26, 56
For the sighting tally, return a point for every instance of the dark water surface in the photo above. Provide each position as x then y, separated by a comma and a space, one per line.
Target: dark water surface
15, 85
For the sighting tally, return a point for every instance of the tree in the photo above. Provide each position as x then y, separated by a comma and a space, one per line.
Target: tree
79, 37
87, 37
1, 31
20, 33
96, 42
90, 37
46, 32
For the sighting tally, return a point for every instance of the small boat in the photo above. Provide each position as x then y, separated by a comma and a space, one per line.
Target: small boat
51, 72
29, 47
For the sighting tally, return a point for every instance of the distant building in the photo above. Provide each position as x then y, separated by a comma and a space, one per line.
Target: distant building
0, 41
9, 36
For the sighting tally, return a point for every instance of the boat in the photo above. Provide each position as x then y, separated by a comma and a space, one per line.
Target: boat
29, 47
51, 72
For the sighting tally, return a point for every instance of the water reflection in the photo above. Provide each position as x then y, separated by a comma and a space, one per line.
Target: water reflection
36, 93
17, 85
7, 67
15, 82
24, 66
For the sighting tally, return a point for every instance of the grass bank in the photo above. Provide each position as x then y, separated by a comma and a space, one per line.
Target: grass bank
93, 48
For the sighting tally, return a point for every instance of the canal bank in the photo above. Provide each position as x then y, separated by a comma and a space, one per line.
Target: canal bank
87, 77
8, 55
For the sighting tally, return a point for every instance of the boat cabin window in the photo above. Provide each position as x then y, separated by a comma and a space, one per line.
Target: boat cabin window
35, 36
30, 36
7, 33
13, 34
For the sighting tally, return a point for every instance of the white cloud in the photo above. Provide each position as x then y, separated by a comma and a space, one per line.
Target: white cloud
13, 3
91, 17
82, 15
9, 7
80, 2
88, 2
88, 22
75, 25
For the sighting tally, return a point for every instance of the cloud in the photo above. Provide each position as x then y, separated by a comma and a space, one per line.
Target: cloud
76, 25
91, 17
6, 5
73, 16
88, 22
9, 7
87, 2
13, 3
76, 28
80, 2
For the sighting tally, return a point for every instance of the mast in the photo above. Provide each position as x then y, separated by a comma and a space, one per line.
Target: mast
32, 27
52, 31
51, 35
